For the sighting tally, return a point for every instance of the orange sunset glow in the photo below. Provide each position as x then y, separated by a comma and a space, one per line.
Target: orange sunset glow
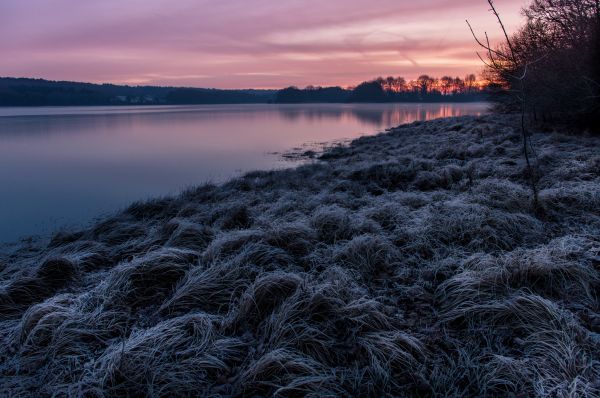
238, 44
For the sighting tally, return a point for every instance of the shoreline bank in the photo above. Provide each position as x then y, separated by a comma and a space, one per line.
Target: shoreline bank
406, 263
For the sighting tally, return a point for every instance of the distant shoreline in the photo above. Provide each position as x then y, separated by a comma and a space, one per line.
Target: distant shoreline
24, 92
249, 103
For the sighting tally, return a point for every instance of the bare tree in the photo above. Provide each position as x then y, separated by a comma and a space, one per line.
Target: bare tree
567, 82
399, 84
389, 83
504, 61
458, 85
470, 81
425, 84
446, 84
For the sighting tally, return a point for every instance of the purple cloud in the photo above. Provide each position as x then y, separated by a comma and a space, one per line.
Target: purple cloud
237, 43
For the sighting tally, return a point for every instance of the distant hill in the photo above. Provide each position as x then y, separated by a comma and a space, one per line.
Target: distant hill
40, 92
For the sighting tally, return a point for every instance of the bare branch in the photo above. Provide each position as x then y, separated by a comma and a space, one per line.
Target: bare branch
510, 46
486, 47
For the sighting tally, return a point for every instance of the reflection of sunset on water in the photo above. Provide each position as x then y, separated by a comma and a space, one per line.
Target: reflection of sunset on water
88, 160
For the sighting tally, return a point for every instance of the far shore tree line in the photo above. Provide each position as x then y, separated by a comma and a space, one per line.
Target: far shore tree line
392, 89
39, 92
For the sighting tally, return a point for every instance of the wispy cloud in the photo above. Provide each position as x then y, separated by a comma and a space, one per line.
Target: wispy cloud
241, 43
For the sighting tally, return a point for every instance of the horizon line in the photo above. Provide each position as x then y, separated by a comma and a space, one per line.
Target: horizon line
346, 87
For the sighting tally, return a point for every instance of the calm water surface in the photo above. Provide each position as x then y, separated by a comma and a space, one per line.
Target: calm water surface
61, 167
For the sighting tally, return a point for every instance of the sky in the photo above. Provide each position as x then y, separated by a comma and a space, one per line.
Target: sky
244, 43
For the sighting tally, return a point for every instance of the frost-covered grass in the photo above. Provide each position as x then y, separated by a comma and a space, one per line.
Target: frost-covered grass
410, 263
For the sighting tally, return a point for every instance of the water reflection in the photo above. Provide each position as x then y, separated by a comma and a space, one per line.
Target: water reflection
65, 166
380, 114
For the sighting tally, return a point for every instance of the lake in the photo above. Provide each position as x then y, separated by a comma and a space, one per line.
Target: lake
62, 167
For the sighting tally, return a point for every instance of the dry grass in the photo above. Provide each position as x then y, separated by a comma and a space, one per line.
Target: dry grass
406, 264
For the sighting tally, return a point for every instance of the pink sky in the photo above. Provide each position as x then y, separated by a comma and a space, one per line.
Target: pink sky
243, 43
